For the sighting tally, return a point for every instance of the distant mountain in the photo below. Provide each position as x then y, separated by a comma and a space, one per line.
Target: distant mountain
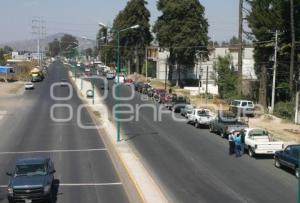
31, 45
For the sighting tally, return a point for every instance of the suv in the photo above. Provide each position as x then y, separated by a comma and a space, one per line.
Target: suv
31, 181
243, 108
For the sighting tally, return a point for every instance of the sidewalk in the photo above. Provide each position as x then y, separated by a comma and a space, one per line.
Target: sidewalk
279, 128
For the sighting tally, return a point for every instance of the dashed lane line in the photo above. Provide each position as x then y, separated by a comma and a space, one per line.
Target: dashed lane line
54, 151
81, 184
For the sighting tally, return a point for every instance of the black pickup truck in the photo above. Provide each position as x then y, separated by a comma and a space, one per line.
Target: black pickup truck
289, 157
31, 181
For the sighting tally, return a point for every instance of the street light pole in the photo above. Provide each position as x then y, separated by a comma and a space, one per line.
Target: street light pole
274, 73
118, 90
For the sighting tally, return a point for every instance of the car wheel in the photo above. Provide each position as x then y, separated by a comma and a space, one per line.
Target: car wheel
277, 163
251, 152
297, 172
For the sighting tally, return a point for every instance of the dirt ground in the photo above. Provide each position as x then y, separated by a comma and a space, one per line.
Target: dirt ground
11, 88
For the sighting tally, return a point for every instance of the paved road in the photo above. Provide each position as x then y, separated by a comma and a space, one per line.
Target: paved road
26, 130
192, 165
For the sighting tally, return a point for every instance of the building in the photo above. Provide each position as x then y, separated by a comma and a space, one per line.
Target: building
204, 69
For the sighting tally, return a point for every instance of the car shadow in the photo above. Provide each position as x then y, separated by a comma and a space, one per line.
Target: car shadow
55, 190
264, 156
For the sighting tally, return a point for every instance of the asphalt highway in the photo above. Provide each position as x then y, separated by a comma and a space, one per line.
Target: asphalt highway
193, 165
85, 172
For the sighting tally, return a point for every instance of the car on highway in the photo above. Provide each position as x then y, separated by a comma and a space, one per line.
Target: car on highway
289, 157
29, 86
63, 82
225, 122
200, 117
258, 142
89, 93
32, 180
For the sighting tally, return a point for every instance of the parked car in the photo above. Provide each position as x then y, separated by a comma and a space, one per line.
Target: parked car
138, 86
120, 79
29, 86
243, 108
188, 108
31, 181
89, 93
224, 122
178, 103
200, 117
289, 157
110, 76
258, 141
128, 82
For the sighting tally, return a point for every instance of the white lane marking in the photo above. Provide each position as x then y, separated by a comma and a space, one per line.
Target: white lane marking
2, 114
54, 151
81, 184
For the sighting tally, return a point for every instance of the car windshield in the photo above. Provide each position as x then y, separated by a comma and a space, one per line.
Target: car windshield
203, 113
31, 170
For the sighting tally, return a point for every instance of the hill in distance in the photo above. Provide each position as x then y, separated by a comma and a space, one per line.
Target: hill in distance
31, 45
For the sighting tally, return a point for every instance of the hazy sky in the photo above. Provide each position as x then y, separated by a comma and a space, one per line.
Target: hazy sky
80, 17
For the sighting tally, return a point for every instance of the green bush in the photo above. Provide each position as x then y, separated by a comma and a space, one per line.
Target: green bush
285, 110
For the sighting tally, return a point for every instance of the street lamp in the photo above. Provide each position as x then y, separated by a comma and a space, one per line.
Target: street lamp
118, 71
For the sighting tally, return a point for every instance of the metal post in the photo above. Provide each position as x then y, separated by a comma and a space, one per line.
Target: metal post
297, 107
146, 61
206, 88
166, 72
118, 87
274, 74
240, 54
93, 82
81, 86
199, 84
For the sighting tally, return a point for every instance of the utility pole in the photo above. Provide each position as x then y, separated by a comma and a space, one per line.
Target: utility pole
38, 30
166, 72
146, 62
199, 84
206, 88
240, 54
274, 73
292, 60
297, 107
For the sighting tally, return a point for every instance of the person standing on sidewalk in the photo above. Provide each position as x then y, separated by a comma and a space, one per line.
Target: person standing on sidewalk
231, 142
237, 143
242, 133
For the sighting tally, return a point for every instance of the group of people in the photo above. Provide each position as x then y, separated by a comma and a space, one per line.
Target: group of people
236, 143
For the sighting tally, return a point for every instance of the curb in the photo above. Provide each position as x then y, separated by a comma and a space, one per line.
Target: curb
140, 186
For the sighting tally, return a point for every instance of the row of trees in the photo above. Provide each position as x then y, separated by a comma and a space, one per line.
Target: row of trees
264, 18
181, 29
66, 46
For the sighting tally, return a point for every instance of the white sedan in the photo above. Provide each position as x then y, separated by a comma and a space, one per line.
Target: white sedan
29, 86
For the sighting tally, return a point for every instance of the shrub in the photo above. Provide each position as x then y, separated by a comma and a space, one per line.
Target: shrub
285, 110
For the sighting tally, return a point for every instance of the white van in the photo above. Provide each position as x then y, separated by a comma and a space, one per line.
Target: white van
243, 107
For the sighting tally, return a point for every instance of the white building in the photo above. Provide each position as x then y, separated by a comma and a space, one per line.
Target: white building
204, 69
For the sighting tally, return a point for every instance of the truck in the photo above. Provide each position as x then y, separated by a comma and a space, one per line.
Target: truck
258, 141
36, 75
225, 122
32, 180
200, 117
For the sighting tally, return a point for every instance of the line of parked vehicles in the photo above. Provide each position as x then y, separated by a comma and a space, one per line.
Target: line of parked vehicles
257, 141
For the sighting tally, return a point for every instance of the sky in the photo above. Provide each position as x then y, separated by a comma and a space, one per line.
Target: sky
81, 17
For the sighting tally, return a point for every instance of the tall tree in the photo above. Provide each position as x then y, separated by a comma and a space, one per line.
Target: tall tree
181, 29
265, 18
134, 41
68, 44
2, 57
227, 79
53, 48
